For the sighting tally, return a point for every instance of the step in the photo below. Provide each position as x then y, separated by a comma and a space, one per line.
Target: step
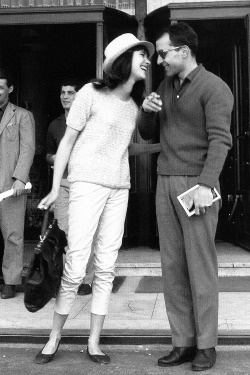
144, 261
154, 269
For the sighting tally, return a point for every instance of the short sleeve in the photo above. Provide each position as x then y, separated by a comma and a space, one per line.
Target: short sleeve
81, 108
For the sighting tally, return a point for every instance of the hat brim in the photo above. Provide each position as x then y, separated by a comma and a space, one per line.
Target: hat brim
108, 62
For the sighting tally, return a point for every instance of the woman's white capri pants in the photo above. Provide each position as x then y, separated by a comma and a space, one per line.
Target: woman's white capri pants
92, 208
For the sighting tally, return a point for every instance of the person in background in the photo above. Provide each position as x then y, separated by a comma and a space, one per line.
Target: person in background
68, 89
17, 149
192, 108
100, 127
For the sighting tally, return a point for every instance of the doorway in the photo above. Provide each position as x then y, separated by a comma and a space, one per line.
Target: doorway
40, 56
223, 50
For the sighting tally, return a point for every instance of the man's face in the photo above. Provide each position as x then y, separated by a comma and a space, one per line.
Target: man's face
172, 61
67, 96
4, 92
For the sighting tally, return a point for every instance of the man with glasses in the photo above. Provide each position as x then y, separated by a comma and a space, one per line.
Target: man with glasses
192, 109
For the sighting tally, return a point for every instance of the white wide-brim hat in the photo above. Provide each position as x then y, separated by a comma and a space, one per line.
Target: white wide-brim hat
120, 45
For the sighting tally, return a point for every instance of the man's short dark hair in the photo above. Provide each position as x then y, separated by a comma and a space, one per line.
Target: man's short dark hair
70, 81
8, 75
181, 34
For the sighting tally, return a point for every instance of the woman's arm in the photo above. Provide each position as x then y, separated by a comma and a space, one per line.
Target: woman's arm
61, 161
143, 148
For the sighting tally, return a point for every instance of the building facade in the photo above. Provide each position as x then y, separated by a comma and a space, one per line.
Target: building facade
41, 39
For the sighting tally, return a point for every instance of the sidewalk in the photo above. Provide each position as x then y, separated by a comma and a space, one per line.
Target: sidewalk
130, 313
17, 359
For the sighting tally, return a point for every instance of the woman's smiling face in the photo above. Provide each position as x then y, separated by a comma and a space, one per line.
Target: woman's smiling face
140, 63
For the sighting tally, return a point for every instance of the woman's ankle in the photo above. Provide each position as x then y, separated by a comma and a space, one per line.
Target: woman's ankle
94, 346
54, 337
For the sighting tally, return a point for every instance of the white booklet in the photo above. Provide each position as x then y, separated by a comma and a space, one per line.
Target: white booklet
10, 192
186, 199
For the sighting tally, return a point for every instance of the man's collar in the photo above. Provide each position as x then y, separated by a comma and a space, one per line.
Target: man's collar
191, 75
4, 107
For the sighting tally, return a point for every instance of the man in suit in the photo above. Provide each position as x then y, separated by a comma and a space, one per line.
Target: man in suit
17, 148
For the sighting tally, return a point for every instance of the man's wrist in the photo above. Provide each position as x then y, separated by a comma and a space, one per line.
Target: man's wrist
143, 110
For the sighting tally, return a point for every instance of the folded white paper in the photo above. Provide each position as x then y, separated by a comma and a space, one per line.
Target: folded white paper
10, 192
186, 199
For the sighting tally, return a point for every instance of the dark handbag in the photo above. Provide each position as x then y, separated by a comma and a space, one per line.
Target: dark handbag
46, 266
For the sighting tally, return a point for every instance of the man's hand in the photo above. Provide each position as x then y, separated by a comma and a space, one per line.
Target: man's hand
203, 199
18, 187
152, 103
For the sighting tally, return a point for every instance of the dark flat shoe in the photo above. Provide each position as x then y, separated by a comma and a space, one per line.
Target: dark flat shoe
204, 360
101, 359
178, 356
42, 359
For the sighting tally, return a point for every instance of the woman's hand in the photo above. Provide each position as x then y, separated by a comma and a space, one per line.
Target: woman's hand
48, 201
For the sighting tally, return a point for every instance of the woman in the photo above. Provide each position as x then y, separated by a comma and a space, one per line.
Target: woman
100, 127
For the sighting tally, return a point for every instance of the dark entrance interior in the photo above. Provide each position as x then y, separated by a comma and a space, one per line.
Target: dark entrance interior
40, 56
224, 51
41, 47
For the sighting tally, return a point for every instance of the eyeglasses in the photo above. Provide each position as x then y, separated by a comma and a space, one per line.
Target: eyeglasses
163, 53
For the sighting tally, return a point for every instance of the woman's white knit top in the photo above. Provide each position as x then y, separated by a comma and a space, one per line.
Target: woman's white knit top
106, 125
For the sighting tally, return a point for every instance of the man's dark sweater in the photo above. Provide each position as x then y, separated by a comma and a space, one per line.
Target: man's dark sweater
194, 126
55, 134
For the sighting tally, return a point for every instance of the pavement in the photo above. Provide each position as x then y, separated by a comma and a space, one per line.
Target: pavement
136, 330
18, 359
136, 315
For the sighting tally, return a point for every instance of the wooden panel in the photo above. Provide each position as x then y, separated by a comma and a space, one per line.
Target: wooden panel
99, 49
49, 15
209, 10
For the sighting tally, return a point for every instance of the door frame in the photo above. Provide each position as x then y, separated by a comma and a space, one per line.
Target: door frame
99, 14
108, 22
200, 11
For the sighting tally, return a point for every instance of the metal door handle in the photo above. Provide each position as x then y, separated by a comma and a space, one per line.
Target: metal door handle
237, 198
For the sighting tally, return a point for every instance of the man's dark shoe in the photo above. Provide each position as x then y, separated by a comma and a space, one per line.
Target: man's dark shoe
84, 289
204, 359
8, 291
178, 356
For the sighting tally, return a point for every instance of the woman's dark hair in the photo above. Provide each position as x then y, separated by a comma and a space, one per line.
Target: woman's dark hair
121, 70
181, 34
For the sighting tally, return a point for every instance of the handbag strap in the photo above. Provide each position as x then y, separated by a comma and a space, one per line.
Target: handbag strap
38, 247
45, 223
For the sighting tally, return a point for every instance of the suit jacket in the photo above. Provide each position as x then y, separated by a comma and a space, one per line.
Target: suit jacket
17, 145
